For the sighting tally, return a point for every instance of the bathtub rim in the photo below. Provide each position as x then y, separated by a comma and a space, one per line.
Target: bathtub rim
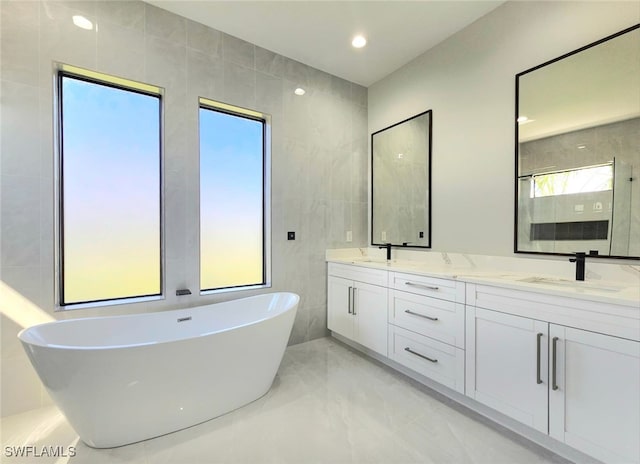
23, 332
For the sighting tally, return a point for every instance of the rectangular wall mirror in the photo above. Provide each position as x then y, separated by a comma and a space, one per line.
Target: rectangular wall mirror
401, 183
578, 151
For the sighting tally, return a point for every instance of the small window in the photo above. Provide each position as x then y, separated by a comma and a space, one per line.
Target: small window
110, 211
232, 197
582, 180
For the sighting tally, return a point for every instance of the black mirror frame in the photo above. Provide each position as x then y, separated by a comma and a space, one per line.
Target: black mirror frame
515, 122
429, 155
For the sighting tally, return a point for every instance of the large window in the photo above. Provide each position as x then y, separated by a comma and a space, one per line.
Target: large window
232, 197
109, 190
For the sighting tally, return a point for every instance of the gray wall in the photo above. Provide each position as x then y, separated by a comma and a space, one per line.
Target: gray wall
469, 82
319, 155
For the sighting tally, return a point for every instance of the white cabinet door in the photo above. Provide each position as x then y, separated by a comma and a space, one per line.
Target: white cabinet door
506, 365
370, 307
594, 404
339, 314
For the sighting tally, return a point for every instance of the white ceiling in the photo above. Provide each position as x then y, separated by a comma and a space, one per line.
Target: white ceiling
319, 33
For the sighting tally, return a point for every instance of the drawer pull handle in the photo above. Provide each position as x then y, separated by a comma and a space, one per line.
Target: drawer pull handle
426, 287
408, 311
554, 355
349, 300
420, 355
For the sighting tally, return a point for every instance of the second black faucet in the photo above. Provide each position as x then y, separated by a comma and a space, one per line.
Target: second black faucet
579, 260
388, 247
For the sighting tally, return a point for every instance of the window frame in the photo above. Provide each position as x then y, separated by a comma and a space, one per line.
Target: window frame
265, 120
72, 72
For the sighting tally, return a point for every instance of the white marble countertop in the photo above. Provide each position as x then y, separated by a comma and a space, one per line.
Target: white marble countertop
619, 291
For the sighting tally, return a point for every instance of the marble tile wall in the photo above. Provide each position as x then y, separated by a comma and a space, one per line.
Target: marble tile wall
319, 154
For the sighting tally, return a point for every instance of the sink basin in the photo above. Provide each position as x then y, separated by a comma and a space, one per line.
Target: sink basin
571, 284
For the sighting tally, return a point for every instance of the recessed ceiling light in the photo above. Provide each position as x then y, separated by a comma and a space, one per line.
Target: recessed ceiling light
82, 22
359, 41
299, 91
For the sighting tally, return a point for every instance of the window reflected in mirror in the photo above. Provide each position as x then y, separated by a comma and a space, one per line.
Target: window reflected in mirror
573, 181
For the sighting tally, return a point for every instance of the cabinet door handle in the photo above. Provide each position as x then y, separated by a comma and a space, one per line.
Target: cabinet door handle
554, 352
538, 338
408, 311
427, 287
353, 309
420, 355
349, 300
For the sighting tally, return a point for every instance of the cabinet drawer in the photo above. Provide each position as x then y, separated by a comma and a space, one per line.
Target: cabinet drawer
443, 289
361, 274
445, 364
439, 319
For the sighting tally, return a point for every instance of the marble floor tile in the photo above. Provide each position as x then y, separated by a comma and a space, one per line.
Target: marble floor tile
328, 404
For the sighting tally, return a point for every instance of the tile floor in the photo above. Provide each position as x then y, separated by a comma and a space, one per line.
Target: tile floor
328, 404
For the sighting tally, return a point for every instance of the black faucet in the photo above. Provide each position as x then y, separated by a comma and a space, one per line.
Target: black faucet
579, 260
388, 247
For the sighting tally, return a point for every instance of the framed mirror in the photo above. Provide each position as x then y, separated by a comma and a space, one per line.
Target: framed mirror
577, 134
401, 183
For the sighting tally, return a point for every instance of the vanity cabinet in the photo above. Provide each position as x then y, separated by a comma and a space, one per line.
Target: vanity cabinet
433, 287
357, 305
428, 306
580, 387
594, 399
567, 367
428, 357
426, 327
507, 365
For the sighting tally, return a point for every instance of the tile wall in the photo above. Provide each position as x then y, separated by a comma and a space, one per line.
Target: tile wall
319, 154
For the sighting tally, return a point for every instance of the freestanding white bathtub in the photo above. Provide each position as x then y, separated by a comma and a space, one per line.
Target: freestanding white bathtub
123, 379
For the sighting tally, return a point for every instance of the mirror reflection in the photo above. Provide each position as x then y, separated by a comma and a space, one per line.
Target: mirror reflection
401, 183
578, 151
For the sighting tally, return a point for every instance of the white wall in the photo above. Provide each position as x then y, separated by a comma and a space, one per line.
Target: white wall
469, 83
319, 156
